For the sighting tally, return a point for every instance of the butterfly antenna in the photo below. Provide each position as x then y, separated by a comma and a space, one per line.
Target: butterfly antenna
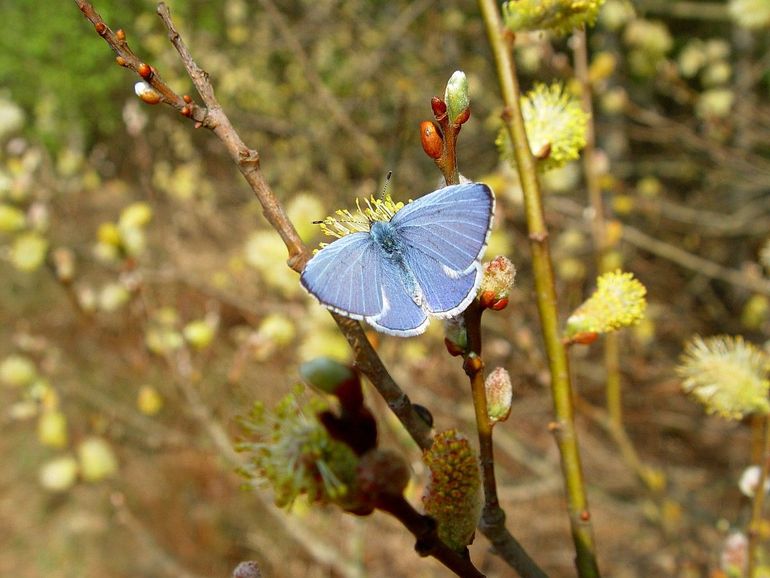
385, 193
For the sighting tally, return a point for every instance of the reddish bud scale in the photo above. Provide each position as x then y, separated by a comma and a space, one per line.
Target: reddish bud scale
144, 70
585, 338
186, 111
101, 28
585, 516
487, 299
431, 140
463, 117
120, 34
438, 106
453, 348
499, 305
187, 98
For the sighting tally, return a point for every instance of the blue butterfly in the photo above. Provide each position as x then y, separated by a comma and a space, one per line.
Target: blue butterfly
424, 261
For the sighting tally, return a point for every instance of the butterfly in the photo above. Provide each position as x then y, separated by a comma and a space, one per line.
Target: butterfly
424, 261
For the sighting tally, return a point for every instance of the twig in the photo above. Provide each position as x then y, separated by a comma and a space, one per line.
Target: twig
758, 503
162, 561
675, 254
561, 386
492, 523
247, 160
611, 342
366, 144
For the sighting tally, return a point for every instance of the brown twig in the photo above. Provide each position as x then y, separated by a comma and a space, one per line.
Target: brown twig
424, 530
214, 118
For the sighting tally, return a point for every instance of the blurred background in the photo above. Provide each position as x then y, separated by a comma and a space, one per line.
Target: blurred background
128, 239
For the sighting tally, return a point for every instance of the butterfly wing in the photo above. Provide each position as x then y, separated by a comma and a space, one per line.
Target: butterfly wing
346, 276
401, 316
444, 235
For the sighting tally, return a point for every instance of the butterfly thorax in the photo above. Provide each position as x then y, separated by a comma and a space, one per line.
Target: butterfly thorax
384, 235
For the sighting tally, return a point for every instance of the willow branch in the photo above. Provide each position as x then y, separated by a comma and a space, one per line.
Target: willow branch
213, 117
561, 386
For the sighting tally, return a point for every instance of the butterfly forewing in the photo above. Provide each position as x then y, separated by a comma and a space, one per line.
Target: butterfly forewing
347, 275
450, 225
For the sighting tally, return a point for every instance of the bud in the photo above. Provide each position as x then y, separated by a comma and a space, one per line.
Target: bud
455, 336
457, 98
496, 284
735, 554
326, 374
749, 481
135, 215
144, 70
64, 264
249, 569
499, 393
148, 400
120, 34
438, 106
453, 494
97, 460
199, 333
12, 219
619, 301
28, 251
59, 474
147, 93
52, 429
430, 137
17, 371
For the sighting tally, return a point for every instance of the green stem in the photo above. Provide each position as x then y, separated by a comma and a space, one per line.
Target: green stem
564, 427
759, 503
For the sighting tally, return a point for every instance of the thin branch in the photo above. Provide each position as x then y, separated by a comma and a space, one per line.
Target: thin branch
561, 384
673, 253
366, 144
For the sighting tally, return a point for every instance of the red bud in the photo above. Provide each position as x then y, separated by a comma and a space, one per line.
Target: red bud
438, 106
499, 305
453, 348
187, 98
585, 338
144, 70
431, 140
101, 28
487, 299
463, 117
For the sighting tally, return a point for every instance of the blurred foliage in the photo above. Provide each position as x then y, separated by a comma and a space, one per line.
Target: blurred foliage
145, 303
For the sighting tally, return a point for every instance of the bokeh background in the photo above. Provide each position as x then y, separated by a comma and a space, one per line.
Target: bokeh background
145, 303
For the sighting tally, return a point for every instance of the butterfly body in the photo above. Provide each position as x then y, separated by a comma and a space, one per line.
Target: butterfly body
424, 261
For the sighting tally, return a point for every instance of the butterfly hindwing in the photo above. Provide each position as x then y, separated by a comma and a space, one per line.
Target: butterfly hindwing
450, 225
346, 276
445, 292
402, 315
